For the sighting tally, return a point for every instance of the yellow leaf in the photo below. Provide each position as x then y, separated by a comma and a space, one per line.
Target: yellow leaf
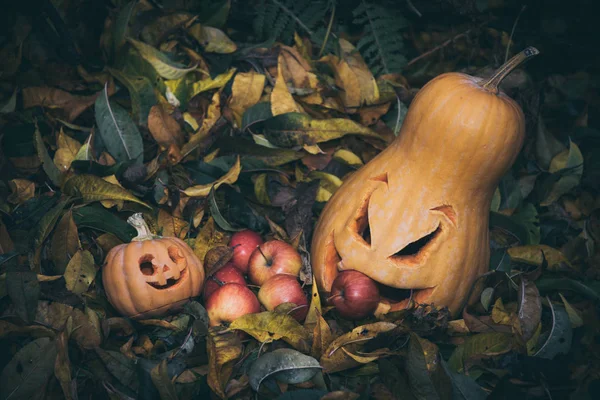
22, 190
163, 66
111, 203
322, 336
68, 148
574, 314
504, 315
334, 360
260, 189
93, 188
223, 348
80, 272
191, 121
172, 226
229, 178
270, 325
65, 242
209, 237
534, 255
347, 157
369, 91
209, 84
212, 39
282, 101
62, 365
246, 91
346, 80
314, 310
203, 135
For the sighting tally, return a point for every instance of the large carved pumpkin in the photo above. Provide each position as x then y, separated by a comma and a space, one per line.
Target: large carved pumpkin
416, 216
152, 275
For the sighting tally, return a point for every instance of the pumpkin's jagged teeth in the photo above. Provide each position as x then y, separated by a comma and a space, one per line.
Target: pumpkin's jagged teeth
161, 280
340, 265
175, 274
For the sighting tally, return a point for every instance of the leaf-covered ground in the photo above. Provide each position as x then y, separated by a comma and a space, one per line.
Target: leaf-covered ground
213, 116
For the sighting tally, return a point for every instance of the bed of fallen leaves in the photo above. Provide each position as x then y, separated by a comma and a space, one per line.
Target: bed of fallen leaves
110, 108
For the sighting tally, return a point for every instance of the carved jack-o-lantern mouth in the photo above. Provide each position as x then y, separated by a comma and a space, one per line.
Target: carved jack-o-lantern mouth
164, 276
412, 255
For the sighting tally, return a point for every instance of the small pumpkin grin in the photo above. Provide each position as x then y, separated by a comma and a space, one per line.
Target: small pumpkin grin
170, 282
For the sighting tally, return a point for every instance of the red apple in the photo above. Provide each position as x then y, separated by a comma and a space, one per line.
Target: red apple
272, 258
226, 274
354, 294
244, 243
230, 302
284, 288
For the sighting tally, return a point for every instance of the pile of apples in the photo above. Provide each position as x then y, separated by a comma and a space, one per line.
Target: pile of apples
273, 265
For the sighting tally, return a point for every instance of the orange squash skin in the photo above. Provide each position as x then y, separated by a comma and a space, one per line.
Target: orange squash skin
128, 288
456, 142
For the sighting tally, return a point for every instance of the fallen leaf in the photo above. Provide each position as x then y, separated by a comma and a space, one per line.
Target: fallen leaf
22, 190
270, 325
295, 129
93, 188
284, 365
80, 272
164, 66
67, 151
334, 360
163, 127
535, 255
246, 91
229, 178
223, 348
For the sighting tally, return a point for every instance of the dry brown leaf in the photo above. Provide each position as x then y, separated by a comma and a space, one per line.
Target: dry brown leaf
322, 336
171, 226
334, 360
22, 190
223, 348
65, 242
229, 178
209, 237
369, 91
202, 139
48, 97
164, 128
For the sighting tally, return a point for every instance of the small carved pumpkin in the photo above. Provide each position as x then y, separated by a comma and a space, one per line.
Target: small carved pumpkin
416, 216
152, 275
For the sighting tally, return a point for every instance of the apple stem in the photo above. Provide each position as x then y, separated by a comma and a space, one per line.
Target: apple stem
334, 296
267, 260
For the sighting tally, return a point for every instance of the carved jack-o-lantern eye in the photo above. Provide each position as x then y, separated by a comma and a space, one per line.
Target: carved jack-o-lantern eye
163, 277
360, 224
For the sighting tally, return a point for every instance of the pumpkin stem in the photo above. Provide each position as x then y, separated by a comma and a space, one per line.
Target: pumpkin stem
143, 231
491, 84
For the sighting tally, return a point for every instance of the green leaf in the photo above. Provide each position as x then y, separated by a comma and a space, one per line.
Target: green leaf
118, 132
284, 365
23, 289
296, 129
427, 379
49, 167
559, 338
26, 374
98, 218
464, 387
164, 66
216, 213
257, 113
93, 188
120, 25
141, 93
591, 290
120, 366
569, 166
162, 381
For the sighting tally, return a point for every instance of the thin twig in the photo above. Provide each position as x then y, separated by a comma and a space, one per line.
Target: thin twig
512, 32
446, 43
